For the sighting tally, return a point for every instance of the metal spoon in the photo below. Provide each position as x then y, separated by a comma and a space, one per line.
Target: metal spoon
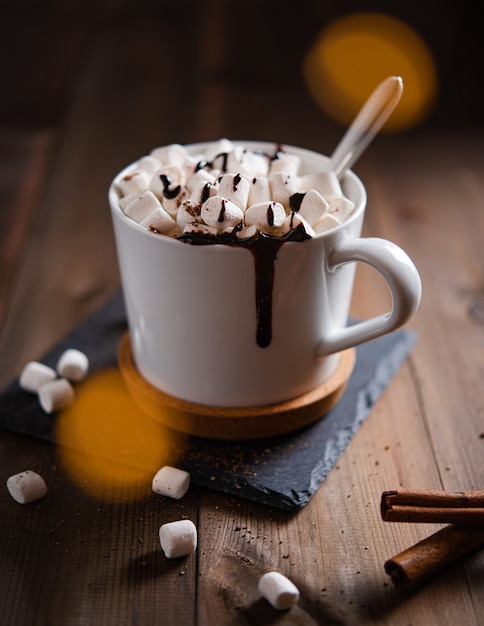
371, 117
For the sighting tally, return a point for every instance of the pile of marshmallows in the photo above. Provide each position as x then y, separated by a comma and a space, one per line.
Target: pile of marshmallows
54, 386
230, 189
178, 538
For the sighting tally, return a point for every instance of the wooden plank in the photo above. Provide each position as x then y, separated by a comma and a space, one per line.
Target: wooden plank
335, 548
447, 246
23, 163
75, 558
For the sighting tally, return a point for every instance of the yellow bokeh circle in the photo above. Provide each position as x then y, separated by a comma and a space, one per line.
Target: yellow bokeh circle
108, 445
355, 53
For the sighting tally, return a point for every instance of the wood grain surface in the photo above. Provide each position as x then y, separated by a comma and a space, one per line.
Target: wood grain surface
92, 90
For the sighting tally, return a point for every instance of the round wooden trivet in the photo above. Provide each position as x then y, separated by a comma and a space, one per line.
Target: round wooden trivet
234, 423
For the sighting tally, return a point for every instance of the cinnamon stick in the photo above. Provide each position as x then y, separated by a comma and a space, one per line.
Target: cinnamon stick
433, 506
413, 566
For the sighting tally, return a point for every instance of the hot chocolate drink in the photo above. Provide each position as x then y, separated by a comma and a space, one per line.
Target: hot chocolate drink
230, 190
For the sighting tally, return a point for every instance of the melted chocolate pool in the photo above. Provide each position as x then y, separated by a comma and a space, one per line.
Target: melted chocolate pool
264, 249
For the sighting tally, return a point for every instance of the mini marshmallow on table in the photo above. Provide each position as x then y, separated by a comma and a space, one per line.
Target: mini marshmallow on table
178, 538
171, 481
55, 395
73, 365
26, 487
278, 590
34, 375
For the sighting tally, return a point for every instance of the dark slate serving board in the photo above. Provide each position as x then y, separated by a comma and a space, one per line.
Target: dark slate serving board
283, 471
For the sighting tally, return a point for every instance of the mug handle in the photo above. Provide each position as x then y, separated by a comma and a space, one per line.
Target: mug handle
402, 278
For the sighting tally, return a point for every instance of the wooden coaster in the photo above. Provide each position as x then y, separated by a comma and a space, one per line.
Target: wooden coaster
234, 423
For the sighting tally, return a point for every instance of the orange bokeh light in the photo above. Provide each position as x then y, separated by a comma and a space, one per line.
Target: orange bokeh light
108, 445
355, 53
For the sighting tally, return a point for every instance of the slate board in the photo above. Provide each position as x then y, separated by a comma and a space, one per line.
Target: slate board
283, 472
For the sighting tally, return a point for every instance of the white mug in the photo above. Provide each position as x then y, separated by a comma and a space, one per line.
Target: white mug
195, 319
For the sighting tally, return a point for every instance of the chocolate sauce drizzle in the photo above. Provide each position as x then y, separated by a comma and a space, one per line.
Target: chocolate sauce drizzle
237, 179
223, 156
295, 201
205, 192
211, 164
167, 191
221, 215
264, 249
270, 214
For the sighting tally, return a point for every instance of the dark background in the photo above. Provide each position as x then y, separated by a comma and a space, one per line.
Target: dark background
45, 43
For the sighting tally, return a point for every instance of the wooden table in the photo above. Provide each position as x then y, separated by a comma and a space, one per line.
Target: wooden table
118, 89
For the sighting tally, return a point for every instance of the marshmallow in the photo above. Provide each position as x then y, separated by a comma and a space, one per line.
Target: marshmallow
278, 590
291, 222
173, 154
326, 183
247, 233
34, 375
312, 207
259, 190
193, 164
199, 229
248, 163
341, 208
326, 222
189, 211
220, 162
148, 164
287, 163
168, 185
219, 149
171, 481
267, 216
134, 182
142, 206
159, 221
166, 180
26, 487
73, 365
220, 212
178, 538
235, 188
282, 187
55, 395
125, 200
199, 178
215, 157
204, 191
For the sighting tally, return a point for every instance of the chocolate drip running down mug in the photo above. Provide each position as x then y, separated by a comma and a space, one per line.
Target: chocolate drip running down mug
194, 312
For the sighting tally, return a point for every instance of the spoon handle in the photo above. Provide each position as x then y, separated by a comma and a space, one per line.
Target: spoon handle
371, 117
